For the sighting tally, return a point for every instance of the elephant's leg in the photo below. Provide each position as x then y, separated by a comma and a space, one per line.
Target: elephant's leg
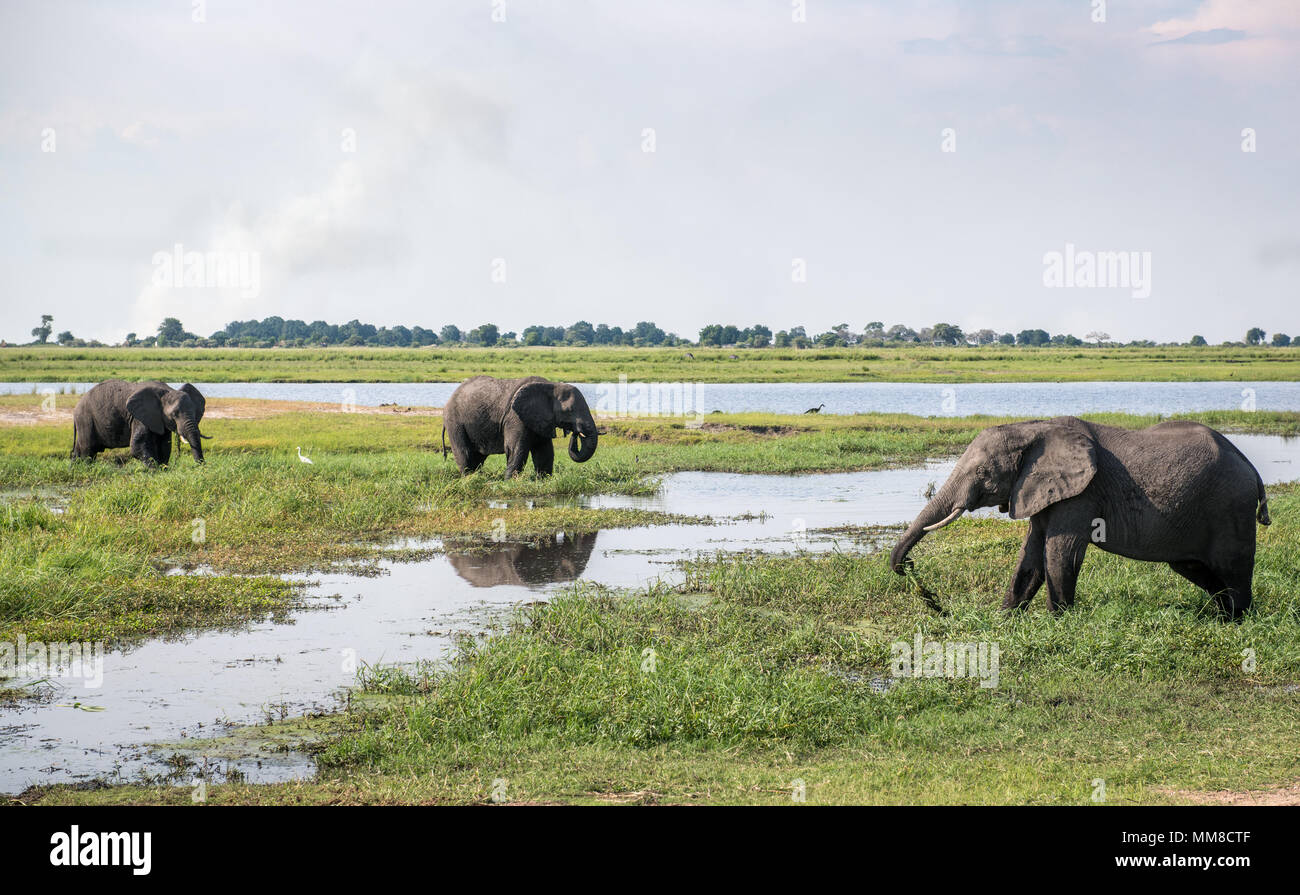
163, 448
543, 456
1065, 552
1201, 575
517, 446
467, 458
142, 445
1235, 597
1029, 568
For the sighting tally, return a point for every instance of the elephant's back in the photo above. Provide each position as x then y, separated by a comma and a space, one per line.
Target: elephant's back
469, 392
101, 411
1179, 459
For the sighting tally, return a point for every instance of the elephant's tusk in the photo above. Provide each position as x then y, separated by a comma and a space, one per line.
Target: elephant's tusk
952, 517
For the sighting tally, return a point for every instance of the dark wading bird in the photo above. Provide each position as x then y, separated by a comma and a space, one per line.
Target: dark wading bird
1178, 493
817, 409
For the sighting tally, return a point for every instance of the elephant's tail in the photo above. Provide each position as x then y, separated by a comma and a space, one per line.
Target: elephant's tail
1261, 515
444, 442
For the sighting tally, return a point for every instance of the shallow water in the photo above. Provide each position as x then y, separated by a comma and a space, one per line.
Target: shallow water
922, 399
194, 685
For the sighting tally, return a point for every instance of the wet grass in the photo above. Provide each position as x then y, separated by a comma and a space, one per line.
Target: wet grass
762, 665
90, 562
97, 569
1140, 685
902, 364
762, 678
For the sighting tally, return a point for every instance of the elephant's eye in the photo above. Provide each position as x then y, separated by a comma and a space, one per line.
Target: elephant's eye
980, 471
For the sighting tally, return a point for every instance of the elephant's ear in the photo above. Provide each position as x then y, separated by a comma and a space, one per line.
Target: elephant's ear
197, 398
1056, 465
145, 407
535, 405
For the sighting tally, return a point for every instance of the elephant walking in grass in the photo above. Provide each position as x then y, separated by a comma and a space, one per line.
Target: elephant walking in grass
1178, 492
141, 415
518, 418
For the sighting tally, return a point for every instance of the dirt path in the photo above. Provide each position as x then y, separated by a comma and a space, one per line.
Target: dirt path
1282, 795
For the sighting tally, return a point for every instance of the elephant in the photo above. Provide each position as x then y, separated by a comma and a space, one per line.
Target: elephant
141, 415
516, 417
1177, 492
527, 565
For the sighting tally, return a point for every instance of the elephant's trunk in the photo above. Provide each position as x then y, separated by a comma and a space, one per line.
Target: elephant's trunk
943, 508
193, 438
581, 447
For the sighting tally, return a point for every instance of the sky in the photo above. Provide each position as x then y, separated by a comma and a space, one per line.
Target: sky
760, 161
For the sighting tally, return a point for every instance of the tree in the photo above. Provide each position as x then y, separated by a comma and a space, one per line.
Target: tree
171, 332
66, 337
485, 334
646, 333
1033, 337
1098, 336
450, 333
874, 330
1281, 340
1006, 339
42, 332
581, 333
1197, 341
1254, 335
982, 337
947, 334
130, 340
711, 334
759, 336
900, 333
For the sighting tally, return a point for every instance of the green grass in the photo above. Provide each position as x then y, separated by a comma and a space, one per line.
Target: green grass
762, 677
762, 663
98, 567
903, 364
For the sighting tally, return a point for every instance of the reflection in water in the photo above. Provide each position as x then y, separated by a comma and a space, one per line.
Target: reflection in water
554, 559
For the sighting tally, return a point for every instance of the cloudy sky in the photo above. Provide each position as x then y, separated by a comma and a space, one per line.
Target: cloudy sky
379, 158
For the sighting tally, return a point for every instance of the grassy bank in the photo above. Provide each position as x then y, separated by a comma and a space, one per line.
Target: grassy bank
763, 666
771, 672
912, 364
86, 546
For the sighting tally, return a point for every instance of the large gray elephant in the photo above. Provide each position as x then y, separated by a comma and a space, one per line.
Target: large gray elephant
141, 415
516, 417
1178, 492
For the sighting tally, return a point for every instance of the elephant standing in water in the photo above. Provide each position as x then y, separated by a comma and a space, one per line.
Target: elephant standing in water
1178, 492
516, 417
141, 415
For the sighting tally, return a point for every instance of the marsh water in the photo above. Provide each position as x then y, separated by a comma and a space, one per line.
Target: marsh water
922, 399
197, 685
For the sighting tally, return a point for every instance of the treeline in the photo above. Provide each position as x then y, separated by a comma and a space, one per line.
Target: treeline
273, 332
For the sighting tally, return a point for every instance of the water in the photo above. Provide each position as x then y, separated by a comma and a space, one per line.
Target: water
195, 685
922, 399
